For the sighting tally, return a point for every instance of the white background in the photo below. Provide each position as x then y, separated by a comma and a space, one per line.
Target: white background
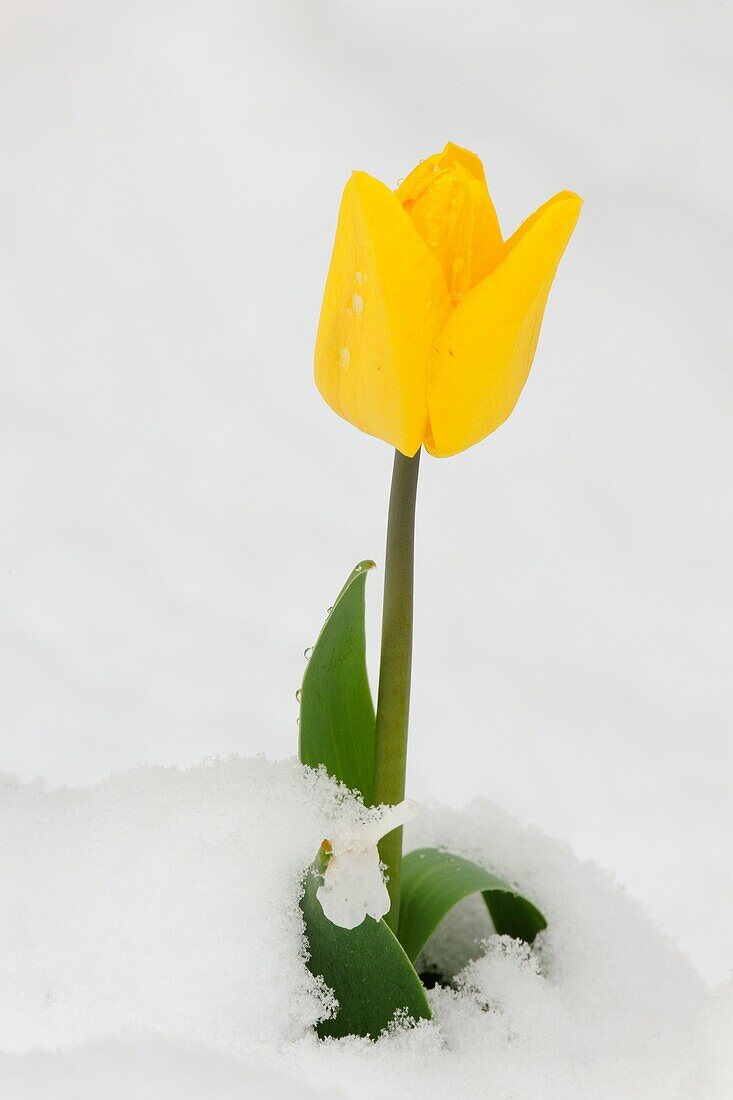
177, 505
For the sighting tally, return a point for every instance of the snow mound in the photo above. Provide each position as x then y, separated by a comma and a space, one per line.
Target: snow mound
144, 1071
150, 932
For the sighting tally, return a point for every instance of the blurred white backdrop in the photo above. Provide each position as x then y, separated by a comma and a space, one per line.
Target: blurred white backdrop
178, 507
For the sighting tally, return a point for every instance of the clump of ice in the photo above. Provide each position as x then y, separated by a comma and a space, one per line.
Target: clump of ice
152, 921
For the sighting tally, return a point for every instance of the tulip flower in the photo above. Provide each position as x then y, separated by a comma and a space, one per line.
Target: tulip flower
430, 318
353, 885
428, 329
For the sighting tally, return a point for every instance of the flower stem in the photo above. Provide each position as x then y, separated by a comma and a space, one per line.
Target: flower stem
393, 702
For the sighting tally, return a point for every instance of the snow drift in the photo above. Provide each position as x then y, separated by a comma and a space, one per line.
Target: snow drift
150, 933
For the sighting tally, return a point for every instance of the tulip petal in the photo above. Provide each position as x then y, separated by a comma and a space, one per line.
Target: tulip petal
420, 176
384, 304
448, 201
481, 359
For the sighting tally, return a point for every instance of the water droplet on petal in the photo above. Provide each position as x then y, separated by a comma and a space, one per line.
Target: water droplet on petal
359, 277
357, 304
344, 357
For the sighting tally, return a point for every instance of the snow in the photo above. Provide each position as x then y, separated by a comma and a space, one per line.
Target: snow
151, 922
353, 882
149, 1070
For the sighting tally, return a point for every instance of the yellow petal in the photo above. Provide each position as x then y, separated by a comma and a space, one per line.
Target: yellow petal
421, 174
455, 217
481, 359
384, 304
447, 198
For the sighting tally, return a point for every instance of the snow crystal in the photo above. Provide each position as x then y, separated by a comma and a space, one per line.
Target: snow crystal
150, 938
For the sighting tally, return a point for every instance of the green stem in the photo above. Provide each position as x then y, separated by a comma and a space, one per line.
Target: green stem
393, 702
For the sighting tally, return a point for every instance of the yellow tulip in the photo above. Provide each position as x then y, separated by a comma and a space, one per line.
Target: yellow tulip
430, 319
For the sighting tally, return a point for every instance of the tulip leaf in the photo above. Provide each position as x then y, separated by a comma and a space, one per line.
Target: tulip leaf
434, 881
367, 969
336, 709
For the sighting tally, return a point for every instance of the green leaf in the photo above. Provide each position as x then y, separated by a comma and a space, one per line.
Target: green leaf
433, 882
336, 709
366, 968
